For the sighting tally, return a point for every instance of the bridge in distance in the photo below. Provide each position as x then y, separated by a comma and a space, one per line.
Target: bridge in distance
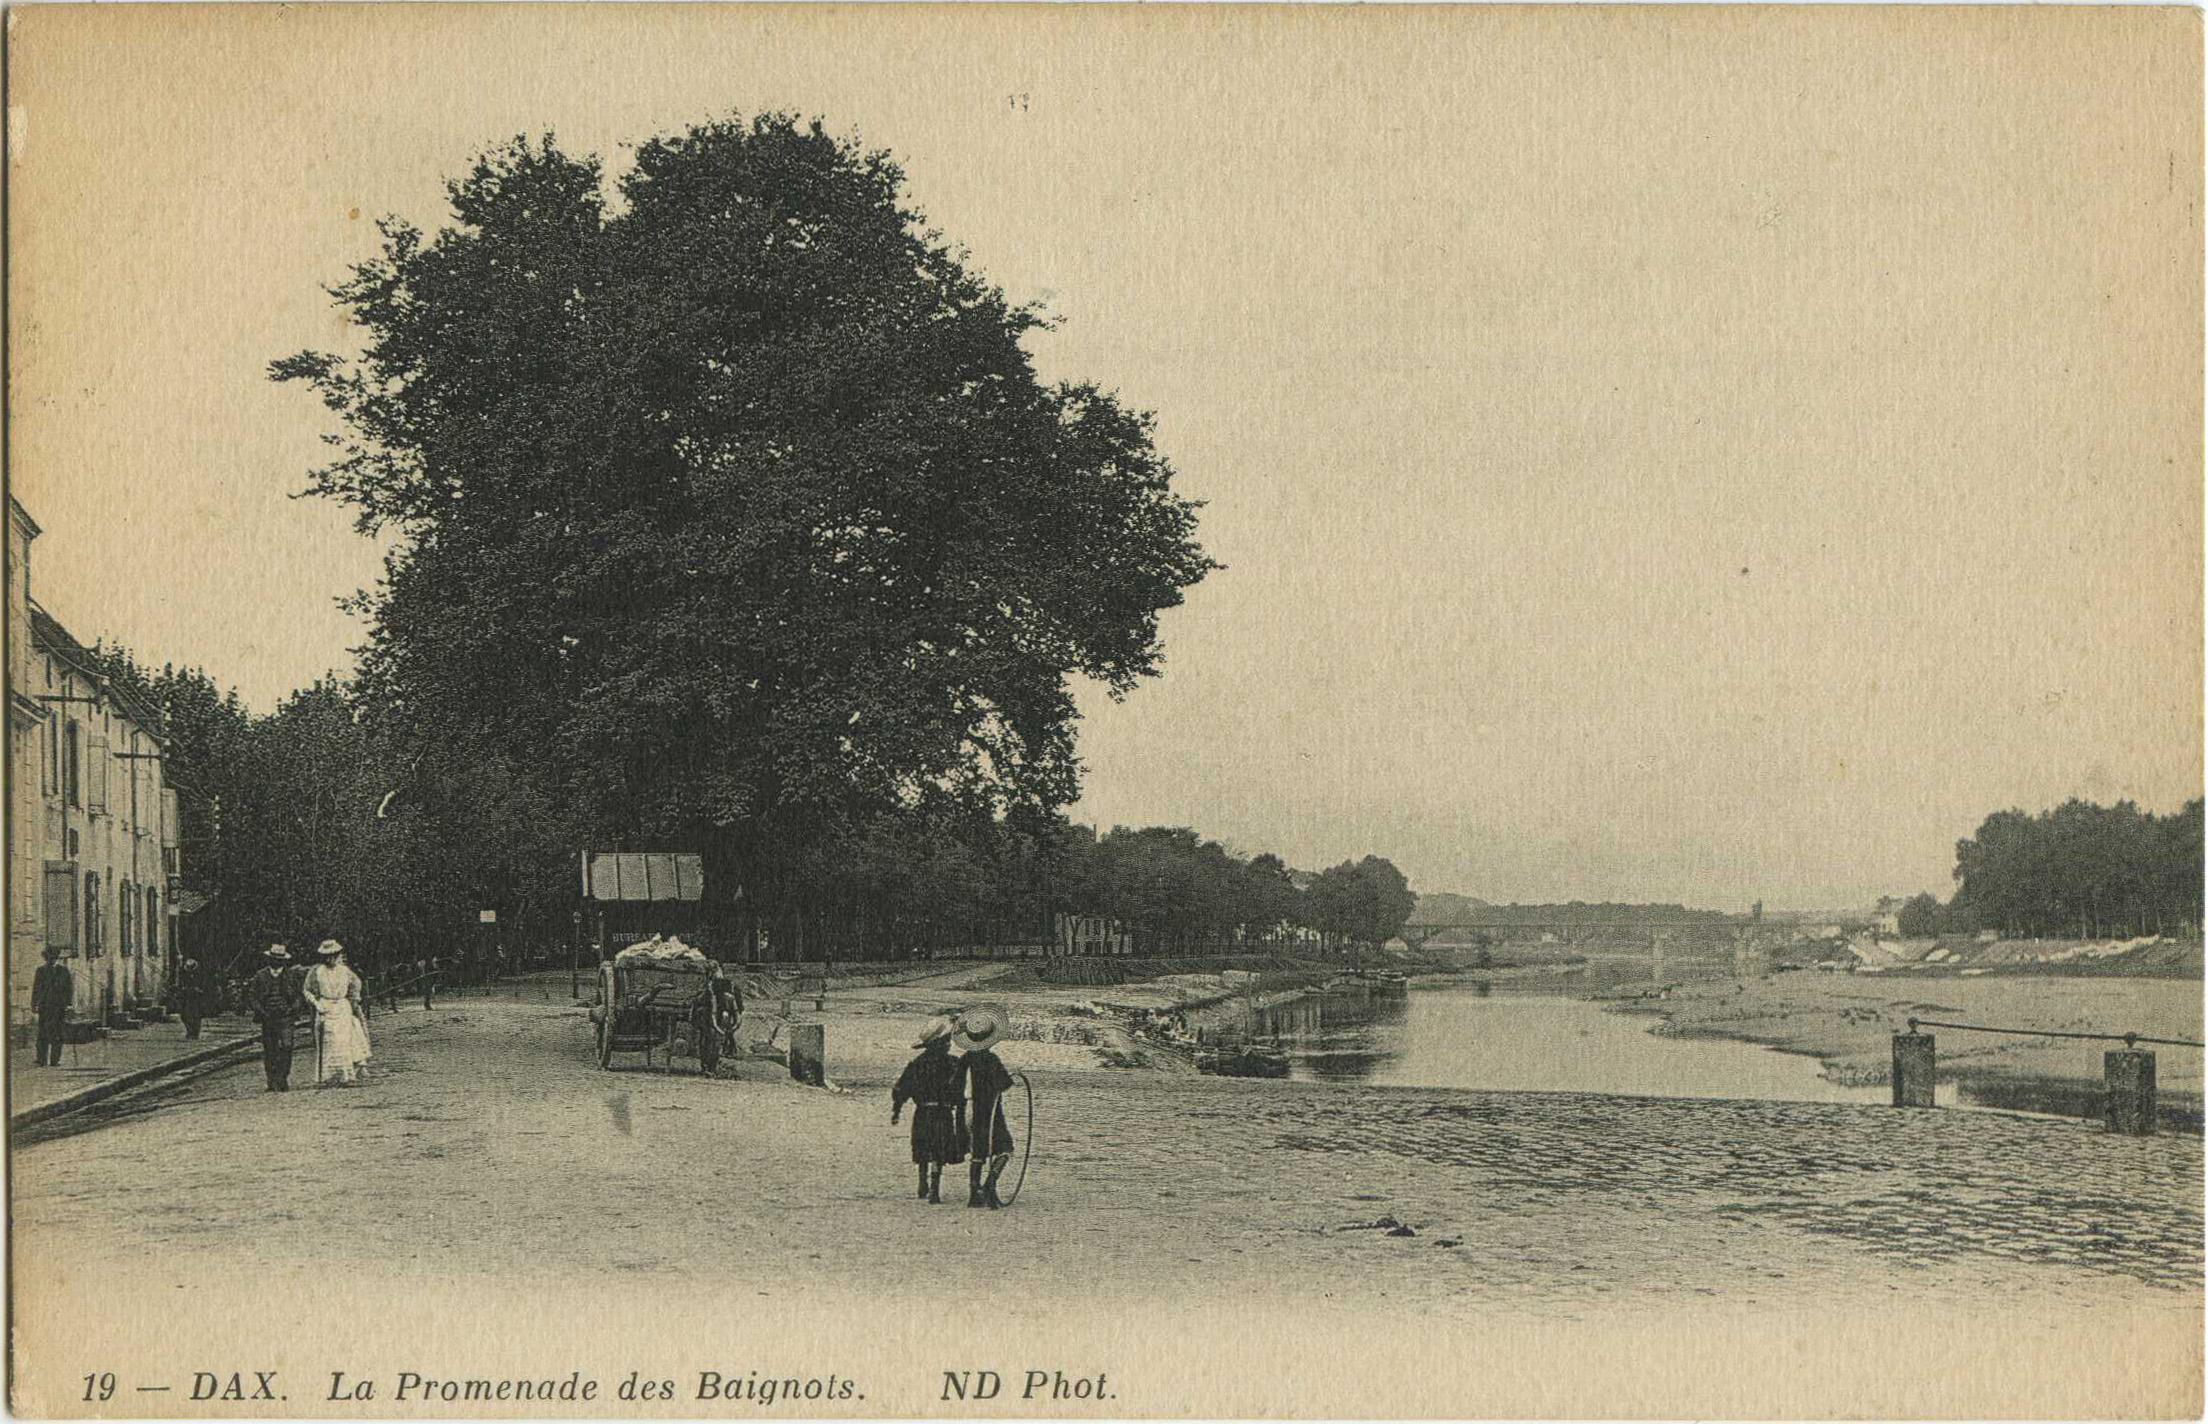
1577, 929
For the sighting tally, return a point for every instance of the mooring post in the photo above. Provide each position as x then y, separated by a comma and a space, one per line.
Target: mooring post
808, 1053
2130, 1075
1913, 1068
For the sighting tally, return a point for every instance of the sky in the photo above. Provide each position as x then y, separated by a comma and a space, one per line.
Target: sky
1680, 455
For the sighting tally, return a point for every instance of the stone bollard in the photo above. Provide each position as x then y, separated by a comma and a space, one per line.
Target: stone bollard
1913, 1064
808, 1053
2130, 1091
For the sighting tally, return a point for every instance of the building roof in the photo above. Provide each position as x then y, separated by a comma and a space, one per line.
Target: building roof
15, 507
47, 633
191, 902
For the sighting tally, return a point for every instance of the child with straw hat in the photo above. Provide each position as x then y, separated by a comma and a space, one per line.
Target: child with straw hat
930, 1084
987, 1079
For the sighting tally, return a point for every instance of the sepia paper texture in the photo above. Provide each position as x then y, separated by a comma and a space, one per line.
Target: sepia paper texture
1855, 335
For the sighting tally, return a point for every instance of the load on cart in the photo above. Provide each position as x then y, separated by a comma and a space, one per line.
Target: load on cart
664, 997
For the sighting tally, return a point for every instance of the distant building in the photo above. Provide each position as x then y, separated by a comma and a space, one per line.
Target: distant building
1091, 934
92, 835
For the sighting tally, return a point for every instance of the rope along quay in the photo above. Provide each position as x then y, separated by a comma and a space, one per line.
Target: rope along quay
2124, 1038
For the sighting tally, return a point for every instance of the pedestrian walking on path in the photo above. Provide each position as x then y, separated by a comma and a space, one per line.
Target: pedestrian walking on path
987, 1080
272, 996
53, 990
191, 996
930, 1084
340, 1025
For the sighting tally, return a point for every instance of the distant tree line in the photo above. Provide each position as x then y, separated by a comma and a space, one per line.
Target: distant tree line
2081, 871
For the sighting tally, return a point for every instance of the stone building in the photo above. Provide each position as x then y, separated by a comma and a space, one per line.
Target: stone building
91, 833
1091, 934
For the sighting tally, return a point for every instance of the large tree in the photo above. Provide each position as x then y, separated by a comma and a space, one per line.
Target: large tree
1365, 902
731, 507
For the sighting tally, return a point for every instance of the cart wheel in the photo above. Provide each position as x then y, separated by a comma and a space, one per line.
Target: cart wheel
605, 1042
709, 1049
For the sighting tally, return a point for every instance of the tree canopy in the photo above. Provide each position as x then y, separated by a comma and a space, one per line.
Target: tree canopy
2082, 869
1365, 902
730, 511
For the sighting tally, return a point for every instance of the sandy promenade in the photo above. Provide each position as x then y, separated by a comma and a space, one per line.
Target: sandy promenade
490, 1149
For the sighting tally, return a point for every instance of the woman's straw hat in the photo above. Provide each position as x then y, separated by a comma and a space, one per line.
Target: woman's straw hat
937, 1030
980, 1028
328, 948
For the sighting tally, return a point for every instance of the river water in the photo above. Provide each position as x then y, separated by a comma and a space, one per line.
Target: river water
1533, 1039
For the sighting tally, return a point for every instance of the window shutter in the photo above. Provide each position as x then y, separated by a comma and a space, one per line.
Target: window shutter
61, 906
170, 836
92, 912
96, 776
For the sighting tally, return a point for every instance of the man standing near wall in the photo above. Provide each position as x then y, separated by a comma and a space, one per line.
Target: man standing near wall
271, 995
52, 992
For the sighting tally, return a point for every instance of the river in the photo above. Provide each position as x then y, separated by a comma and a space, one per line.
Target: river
1536, 1039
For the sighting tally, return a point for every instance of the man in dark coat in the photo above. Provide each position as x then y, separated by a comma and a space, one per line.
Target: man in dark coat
53, 991
191, 996
272, 995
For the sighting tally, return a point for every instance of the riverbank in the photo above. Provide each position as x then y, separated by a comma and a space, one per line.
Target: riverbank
1847, 1021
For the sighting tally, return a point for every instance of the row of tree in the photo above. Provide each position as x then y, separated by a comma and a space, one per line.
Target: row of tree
306, 822
2080, 870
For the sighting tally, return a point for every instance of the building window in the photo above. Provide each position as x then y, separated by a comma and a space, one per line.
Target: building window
72, 788
99, 765
153, 923
126, 918
92, 912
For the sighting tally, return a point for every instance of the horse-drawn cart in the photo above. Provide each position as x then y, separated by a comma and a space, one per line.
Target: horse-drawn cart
685, 1008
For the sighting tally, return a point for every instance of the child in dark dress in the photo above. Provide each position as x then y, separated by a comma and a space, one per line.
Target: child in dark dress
930, 1083
987, 1079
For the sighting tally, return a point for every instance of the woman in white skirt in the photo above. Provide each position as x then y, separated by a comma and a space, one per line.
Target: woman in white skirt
340, 1029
